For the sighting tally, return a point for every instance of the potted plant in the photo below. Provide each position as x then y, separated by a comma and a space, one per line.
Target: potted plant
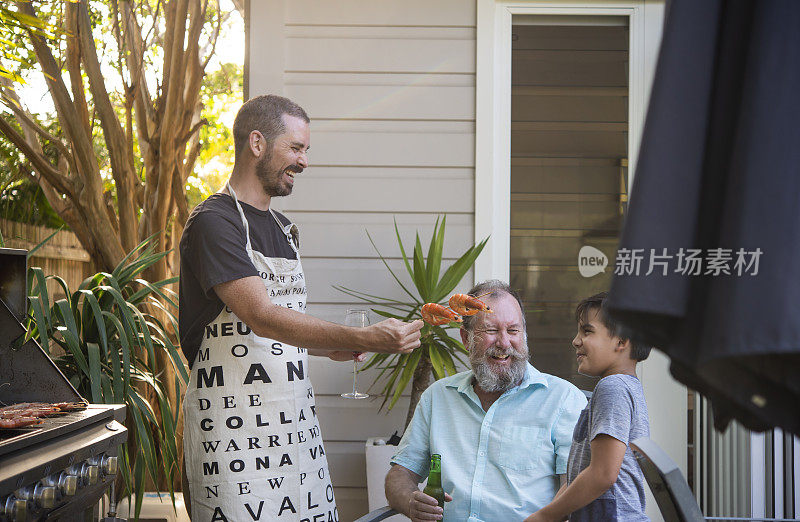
438, 351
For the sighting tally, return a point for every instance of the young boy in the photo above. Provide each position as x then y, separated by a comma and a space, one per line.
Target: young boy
604, 481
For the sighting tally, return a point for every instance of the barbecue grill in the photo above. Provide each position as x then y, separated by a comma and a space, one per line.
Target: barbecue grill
60, 468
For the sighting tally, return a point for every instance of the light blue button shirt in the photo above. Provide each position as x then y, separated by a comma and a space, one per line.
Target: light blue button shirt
500, 464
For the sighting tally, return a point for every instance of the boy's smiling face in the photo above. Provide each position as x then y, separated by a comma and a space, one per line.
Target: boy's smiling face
599, 353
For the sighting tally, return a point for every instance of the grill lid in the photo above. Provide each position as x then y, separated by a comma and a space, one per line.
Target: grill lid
27, 374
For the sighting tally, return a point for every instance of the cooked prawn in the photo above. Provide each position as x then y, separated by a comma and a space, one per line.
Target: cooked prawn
468, 305
438, 315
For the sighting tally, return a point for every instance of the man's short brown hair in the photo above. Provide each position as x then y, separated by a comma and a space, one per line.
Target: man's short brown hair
264, 114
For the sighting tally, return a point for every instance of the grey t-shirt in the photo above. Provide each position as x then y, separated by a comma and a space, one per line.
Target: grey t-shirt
617, 408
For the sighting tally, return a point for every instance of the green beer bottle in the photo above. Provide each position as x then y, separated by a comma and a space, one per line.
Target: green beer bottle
434, 487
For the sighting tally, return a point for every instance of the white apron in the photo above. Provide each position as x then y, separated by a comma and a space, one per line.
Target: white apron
252, 440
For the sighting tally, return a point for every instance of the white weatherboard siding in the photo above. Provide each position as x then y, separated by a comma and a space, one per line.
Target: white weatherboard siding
390, 89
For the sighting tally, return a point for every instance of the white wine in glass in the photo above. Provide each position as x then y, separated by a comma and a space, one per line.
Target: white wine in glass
358, 318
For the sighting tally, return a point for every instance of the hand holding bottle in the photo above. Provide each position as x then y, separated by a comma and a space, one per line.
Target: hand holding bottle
422, 507
428, 504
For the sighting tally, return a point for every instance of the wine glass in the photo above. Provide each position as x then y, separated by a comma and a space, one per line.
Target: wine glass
358, 318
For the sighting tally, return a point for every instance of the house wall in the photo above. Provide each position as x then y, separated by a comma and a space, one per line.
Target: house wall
390, 89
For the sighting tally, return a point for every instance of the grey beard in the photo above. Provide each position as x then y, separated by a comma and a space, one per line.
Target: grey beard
489, 380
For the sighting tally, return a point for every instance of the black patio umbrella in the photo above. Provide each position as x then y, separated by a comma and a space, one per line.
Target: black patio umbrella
718, 186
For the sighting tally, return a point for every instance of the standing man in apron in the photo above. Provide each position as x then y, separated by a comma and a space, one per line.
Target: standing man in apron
252, 442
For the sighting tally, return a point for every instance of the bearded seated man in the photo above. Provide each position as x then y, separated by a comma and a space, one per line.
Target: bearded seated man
503, 429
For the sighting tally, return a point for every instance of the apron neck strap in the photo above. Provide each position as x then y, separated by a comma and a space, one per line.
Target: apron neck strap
248, 246
289, 230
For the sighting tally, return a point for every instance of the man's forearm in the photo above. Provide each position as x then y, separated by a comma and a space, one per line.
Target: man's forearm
335, 355
400, 486
298, 329
247, 298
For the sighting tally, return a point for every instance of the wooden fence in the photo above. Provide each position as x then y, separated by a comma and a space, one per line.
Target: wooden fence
62, 255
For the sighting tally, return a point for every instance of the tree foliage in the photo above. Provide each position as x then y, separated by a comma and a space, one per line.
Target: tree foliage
113, 146
222, 96
125, 81
13, 23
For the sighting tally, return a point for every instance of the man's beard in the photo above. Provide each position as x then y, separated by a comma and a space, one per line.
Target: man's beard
496, 380
271, 180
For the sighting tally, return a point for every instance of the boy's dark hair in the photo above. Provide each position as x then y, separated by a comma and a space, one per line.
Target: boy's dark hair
264, 114
639, 351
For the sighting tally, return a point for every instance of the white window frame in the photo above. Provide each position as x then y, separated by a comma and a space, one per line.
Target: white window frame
665, 397
493, 111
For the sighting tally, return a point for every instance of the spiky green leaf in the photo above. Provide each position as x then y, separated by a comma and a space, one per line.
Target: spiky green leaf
436, 360
420, 280
95, 378
434, 261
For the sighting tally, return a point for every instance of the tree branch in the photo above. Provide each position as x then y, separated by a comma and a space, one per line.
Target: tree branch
194, 145
72, 216
196, 127
67, 115
112, 131
179, 196
239, 4
214, 39
73, 61
191, 158
132, 34
194, 69
87, 183
160, 189
26, 119
61, 183
150, 38
30, 128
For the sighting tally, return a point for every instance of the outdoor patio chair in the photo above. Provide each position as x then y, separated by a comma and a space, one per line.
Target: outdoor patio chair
378, 515
674, 498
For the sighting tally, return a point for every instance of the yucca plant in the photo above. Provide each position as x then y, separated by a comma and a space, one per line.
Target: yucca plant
108, 332
438, 351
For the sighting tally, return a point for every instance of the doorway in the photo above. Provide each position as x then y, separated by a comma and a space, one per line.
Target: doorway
569, 170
